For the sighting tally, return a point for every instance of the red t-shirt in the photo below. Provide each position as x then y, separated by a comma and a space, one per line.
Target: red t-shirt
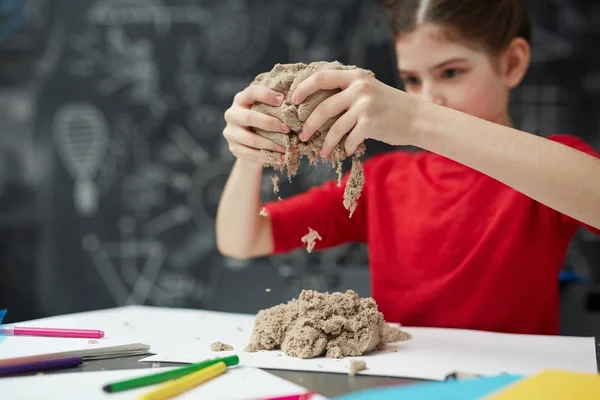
448, 246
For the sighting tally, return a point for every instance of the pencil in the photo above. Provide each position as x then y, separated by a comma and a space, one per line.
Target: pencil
166, 376
178, 386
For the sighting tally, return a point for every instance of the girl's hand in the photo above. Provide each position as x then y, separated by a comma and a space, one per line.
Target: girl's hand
243, 143
371, 109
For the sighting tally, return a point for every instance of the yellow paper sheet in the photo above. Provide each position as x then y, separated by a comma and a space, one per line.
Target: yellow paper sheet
551, 385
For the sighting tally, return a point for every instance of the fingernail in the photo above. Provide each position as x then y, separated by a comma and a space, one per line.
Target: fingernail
323, 153
279, 99
284, 128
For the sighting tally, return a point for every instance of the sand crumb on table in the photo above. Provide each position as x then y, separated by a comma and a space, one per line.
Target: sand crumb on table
220, 346
355, 366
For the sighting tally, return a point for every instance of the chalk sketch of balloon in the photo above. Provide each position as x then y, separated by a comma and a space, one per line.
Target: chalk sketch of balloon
81, 138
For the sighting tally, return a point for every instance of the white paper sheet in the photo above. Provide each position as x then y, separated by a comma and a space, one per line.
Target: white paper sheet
22, 346
182, 335
236, 384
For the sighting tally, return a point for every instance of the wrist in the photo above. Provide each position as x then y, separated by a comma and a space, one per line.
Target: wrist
249, 166
422, 123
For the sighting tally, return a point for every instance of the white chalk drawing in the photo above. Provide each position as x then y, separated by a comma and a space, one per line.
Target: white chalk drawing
186, 142
190, 81
190, 14
372, 29
128, 268
81, 137
207, 185
549, 46
131, 63
236, 36
116, 155
176, 288
144, 189
85, 45
130, 12
206, 122
312, 35
37, 13
198, 245
163, 222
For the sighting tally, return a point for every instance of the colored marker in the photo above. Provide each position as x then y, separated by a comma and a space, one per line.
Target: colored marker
168, 375
40, 366
303, 396
50, 332
178, 386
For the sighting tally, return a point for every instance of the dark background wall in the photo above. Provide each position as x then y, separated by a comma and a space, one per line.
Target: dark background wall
112, 160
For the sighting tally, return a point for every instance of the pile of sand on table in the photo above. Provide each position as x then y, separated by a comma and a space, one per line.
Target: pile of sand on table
285, 78
335, 325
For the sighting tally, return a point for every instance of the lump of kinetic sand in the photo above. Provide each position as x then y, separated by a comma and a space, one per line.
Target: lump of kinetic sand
310, 239
335, 325
220, 346
392, 334
356, 366
285, 78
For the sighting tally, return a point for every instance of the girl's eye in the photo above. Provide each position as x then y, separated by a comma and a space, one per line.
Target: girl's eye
451, 73
411, 80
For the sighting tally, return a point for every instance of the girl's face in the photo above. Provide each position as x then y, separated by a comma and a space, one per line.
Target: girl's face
452, 74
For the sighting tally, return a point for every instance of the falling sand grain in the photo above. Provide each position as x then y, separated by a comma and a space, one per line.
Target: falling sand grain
310, 239
275, 180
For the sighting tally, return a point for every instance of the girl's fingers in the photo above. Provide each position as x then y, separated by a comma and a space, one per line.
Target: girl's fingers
328, 108
254, 155
354, 139
245, 117
258, 94
324, 80
341, 127
237, 134
245, 153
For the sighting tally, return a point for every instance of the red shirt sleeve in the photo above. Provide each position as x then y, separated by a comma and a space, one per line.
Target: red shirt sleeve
320, 208
578, 144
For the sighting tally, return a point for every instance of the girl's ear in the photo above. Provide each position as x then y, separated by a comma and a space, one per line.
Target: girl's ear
514, 62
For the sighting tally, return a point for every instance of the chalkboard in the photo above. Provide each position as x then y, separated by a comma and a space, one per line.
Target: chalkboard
128, 159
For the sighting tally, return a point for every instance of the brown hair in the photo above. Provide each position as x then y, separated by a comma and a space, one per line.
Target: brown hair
491, 24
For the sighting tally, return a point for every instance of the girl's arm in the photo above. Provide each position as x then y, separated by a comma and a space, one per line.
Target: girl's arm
556, 175
241, 231
563, 178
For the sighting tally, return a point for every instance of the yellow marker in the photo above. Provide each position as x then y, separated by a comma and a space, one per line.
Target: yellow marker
177, 386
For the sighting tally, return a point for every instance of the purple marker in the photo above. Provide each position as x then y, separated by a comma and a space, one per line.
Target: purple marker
40, 366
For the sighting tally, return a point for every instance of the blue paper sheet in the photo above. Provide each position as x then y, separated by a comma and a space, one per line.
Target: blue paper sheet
464, 389
2, 314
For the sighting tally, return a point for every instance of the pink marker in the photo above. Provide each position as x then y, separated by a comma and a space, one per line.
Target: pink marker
50, 332
303, 396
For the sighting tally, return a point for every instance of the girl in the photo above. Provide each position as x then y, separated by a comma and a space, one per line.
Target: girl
470, 233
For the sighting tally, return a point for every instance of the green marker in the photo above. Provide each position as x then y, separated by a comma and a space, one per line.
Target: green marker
166, 376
